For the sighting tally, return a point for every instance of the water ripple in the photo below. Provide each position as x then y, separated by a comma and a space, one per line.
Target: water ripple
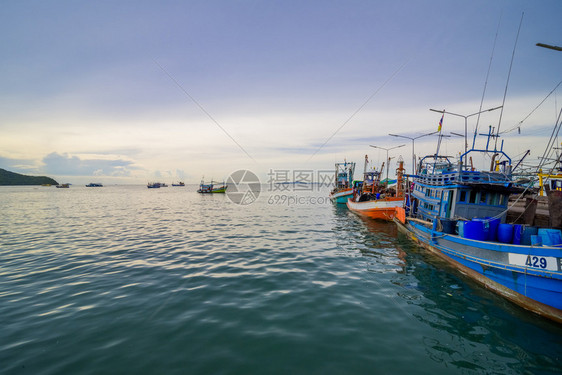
128, 280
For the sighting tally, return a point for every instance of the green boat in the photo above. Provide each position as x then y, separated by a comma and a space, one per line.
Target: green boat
212, 188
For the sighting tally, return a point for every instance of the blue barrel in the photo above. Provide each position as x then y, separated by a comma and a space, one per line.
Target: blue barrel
517, 234
527, 233
485, 228
474, 230
505, 233
493, 225
448, 225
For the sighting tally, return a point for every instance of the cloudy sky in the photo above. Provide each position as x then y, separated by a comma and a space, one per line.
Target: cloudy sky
133, 91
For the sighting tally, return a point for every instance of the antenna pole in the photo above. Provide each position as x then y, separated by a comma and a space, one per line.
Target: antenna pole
508, 76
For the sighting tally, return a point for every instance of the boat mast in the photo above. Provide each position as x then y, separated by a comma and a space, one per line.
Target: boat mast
400, 178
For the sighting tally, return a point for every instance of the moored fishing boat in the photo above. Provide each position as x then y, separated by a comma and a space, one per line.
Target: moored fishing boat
154, 185
343, 183
374, 199
94, 184
180, 183
459, 214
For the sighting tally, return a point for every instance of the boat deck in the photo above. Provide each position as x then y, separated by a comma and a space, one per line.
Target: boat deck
516, 213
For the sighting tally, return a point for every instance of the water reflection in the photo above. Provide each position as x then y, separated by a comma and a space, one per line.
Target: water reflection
373, 240
473, 329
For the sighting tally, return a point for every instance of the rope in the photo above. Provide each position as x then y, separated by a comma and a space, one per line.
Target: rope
549, 145
508, 77
487, 75
518, 125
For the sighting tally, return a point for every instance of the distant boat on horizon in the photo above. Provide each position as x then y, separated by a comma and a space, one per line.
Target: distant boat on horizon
211, 188
94, 184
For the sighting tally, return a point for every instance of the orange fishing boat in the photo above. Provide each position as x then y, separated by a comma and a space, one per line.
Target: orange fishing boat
375, 200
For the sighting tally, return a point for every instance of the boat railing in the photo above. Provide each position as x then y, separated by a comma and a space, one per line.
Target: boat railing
472, 177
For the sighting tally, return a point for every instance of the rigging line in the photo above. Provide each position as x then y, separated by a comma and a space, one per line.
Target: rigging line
529, 115
203, 109
556, 101
554, 141
509, 75
549, 144
360, 108
487, 76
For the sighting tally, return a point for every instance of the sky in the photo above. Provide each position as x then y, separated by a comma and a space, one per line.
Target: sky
134, 91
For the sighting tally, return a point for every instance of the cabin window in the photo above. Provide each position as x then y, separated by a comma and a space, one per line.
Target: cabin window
472, 197
504, 199
483, 197
450, 199
494, 199
462, 196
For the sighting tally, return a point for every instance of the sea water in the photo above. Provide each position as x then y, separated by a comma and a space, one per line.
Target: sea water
130, 280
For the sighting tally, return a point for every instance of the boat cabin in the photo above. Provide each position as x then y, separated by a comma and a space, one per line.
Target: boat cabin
344, 175
447, 191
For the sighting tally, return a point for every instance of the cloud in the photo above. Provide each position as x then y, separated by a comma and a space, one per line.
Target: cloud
66, 165
18, 165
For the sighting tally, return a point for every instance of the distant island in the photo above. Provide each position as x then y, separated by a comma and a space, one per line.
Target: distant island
11, 178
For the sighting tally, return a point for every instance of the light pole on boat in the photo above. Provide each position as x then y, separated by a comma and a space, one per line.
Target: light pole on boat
465, 121
413, 139
387, 159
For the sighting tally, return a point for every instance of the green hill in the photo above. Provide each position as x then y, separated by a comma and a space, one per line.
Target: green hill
11, 178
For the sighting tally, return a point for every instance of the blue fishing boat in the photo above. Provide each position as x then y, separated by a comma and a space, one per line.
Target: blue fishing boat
459, 214
343, 187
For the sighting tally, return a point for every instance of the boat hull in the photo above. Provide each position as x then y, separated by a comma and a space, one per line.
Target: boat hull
220, 190
506, 269
381, 209
342, 196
